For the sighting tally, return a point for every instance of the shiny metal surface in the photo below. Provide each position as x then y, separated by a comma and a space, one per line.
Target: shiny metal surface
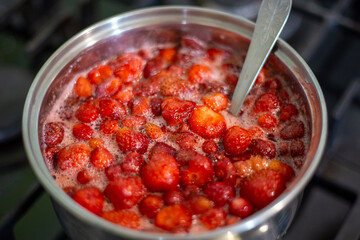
271, 19
97, 43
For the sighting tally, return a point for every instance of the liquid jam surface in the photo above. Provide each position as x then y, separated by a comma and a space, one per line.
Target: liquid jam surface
145, 140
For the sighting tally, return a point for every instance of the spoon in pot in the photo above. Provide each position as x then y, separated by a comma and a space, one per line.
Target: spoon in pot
271, 19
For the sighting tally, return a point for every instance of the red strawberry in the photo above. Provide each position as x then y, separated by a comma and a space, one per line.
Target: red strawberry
124, 218
174, 218
125, 95
154, 66
173, 197
109, 126
125, 192
161, 147
99, 74
82, 131
83, 177
213, 218
207, 123
199, 204
272, 85
297, 148
131, 141
199, 170
292, 130
219, 192
168, 54
283, 148
87, 113
216, 53
73, 156
267, 121
113, 172
267, 102
216, 101
90, 198
283, 168
110, 108
108, 87
150, 205
173, 86
132, 163
141, 106
240, 207
155, 105
148, 87
54, 133
263, 148
236, 140
191, 190
287, 111
130, 68
175, 111
256, 132
153, 131
160, 173
261, 77
225, 171
186, 140
262, 187
199, 73
96, 142
192, 42
133, 122
51, 153
210, 146
83, 87
101, 158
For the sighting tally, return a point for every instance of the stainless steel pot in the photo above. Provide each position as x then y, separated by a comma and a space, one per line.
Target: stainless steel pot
112, 36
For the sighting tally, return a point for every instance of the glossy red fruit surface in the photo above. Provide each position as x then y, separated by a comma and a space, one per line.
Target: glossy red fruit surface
236, 140
90, 198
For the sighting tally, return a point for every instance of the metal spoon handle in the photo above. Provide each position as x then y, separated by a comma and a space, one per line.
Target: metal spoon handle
271, 19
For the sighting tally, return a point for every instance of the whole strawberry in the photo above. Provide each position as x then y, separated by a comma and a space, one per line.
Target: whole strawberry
129, 140
236, 140
90, 198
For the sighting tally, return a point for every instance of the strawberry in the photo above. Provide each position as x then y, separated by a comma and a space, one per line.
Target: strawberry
216, 101
213, 218
297, 148
199, 204
87, 113
125, 192
258, 162
168, 54
108, 87
225, 171
73, 156
173, 86
110, 108
217, 54
192, 42
175, 111
148, 87
83, 87
101, 158
264, 148
283, 148
199, 73
153, 131
184, 60
160, 173
231, 79
210, 146
191, 190
236, 140
174, 218
113, 172
54, 133
155, 105
267, 121
124, 95
283, 168
262, 187
186, 140
219, 192
267, 102
129, 69
131, 141
82, 131
133, 122
283, 95
240, 207
256, 132
132, 163
109, 126
83, 177
124, 218
90, 198
287, 111
207, 123
161, 147
141, 106
292, 130
173, 197
154, 66
151, 205
272, 85
199, 170
261, 77
243, 168
96, 142
99, 74
51, 153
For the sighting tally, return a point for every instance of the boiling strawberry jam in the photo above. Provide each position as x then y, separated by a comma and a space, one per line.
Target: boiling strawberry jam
145, 140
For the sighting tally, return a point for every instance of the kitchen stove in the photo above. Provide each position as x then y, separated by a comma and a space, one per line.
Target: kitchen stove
325, 33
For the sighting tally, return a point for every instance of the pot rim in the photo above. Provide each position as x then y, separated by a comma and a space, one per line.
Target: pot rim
37, 92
